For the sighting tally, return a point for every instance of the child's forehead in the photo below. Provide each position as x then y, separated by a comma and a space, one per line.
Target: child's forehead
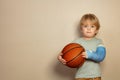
88, 22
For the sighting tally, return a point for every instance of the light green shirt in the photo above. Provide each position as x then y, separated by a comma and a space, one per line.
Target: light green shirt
89, 69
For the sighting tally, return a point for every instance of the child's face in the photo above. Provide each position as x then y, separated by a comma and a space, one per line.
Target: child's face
88, 29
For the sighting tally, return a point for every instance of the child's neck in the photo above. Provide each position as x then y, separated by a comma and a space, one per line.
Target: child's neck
87, 38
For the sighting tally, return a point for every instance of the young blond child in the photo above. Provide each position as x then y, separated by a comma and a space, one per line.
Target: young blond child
95, 51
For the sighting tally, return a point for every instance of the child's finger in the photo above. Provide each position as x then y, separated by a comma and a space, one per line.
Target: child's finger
64, 60
59, 57
83, 56
61, 53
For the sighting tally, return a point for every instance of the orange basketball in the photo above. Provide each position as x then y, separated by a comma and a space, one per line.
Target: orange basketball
72, 54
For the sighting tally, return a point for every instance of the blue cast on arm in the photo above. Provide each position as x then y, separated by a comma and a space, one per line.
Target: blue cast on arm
97, 56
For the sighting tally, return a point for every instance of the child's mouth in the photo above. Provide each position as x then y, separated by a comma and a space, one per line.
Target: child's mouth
88, 32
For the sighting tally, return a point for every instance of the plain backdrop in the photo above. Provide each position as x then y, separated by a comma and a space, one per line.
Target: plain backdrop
33, 32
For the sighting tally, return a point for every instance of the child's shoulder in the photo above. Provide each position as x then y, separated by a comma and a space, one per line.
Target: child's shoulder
98, 39
77, 40
100, 42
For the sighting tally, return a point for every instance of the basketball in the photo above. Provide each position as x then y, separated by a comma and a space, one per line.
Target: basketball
72, 54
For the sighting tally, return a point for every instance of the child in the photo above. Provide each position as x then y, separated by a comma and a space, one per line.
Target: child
94, 49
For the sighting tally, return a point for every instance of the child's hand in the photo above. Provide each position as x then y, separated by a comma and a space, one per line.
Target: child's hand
84, 55
61, 59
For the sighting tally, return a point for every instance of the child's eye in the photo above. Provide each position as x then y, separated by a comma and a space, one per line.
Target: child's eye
92, 26
85, 26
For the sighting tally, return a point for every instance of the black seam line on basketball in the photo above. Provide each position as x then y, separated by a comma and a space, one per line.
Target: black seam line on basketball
71, 49
76, 56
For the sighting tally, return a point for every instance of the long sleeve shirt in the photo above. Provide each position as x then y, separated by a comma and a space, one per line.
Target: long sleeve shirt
96, 52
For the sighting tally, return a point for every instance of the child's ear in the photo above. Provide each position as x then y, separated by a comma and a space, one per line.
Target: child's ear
96, 31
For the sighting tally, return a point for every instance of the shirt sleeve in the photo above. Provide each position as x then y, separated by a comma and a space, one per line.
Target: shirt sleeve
97, 55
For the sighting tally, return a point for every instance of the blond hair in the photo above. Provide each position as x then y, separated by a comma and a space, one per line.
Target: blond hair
92, 18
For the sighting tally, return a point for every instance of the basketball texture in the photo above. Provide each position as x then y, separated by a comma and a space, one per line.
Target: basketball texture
72, 54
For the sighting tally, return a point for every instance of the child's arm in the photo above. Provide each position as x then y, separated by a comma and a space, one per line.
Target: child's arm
97, 56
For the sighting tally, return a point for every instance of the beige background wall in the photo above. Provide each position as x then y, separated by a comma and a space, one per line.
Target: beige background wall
33, 32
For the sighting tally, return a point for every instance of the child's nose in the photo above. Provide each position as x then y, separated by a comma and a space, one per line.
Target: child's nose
88, 27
